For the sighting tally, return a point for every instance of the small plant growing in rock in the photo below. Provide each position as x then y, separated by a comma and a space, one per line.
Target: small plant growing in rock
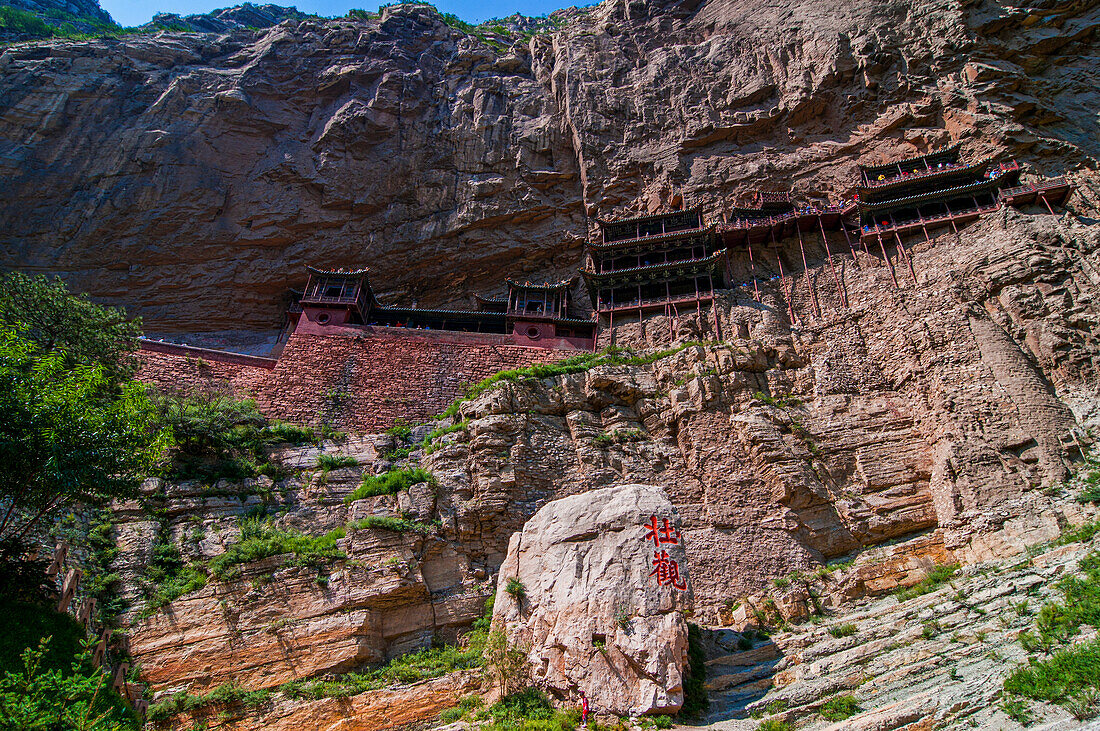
1018, 710
773, 724
842, 630
622, 618
1084, 705
516, 589
931, 629
776, 706
839, 708
781, 583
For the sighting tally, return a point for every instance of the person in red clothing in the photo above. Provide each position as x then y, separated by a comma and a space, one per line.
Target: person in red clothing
584, 710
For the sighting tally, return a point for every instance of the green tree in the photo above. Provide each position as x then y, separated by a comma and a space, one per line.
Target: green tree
44, 313
505, 664
68, 434
38, 699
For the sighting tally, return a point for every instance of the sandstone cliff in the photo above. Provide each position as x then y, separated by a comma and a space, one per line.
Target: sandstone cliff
190, 177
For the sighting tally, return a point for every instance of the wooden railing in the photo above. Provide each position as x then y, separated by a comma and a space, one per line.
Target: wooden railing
132, 693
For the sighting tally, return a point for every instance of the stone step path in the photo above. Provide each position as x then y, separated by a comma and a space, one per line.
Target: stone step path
933, 661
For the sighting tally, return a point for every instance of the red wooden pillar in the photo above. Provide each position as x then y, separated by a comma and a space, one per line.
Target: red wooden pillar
889, 264
788, 295
714, 308
829, 256
1046, 202
806, 272
906, 256
752, 267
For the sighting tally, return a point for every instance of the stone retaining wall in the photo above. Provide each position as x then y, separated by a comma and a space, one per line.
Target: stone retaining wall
361, 381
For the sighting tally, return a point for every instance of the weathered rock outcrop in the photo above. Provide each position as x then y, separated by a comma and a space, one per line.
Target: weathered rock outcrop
600, 600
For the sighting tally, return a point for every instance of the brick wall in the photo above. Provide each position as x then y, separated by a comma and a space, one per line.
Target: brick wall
358, 381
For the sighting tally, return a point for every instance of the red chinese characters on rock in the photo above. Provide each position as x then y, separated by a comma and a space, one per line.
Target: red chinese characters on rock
665, 569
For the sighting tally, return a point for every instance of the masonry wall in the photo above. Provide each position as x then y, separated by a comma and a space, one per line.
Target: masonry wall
356, 381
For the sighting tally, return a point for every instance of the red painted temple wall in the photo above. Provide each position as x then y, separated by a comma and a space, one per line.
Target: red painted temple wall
357, 380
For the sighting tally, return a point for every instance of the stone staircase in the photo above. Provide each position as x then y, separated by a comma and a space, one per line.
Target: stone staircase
933, 661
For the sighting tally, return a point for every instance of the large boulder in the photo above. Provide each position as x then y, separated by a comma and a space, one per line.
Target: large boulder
605, 588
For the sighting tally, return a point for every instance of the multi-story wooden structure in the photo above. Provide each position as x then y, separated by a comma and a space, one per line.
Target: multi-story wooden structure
659, 262
529, 314
936, 189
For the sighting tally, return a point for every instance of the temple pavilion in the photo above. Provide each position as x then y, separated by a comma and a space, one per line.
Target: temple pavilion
528, 311
663, 262
911, 195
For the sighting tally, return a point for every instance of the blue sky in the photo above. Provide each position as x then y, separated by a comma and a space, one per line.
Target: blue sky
136, 12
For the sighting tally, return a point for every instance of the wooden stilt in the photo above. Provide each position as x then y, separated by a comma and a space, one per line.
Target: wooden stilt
848, 238
889, 264
829, 256
714, 308
905, 255
787, 294
752, 268
1047, 203
806, 273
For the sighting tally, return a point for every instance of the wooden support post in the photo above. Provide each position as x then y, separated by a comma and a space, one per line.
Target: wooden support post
905, 255
752, 268
1046, 202
788, 295
714, 308
848, 238
806, 272
889, 264
829, 256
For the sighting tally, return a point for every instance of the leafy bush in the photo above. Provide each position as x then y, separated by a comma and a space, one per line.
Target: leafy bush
576, 364
430, 662
167, 577
842, 630
695, 691
840, 708
217, 436
224, 695
68, 433
389, 483
386, 522
937, 577
429, 446
773, 724
25, 24
41, 698
516, 589
335, 461
260, 539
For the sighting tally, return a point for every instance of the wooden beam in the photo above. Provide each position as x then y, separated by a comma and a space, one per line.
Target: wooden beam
889, 264
806, 272
905, 255
752, 267
829, 255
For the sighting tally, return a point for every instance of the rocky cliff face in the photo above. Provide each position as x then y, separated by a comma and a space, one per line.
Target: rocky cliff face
191, 177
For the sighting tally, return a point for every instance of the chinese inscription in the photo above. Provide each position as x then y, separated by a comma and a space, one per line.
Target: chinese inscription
665, 569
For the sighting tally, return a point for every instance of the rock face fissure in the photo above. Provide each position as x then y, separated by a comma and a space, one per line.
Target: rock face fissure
605, 584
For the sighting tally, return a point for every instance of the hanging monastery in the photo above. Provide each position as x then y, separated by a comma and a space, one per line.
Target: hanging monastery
347, 359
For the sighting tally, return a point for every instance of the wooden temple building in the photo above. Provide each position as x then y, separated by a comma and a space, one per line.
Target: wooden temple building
663, 262
928, 190
673, 263
531, 314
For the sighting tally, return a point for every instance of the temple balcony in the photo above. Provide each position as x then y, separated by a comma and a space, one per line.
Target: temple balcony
870, 232
653, 303
1053, 190
650, 240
